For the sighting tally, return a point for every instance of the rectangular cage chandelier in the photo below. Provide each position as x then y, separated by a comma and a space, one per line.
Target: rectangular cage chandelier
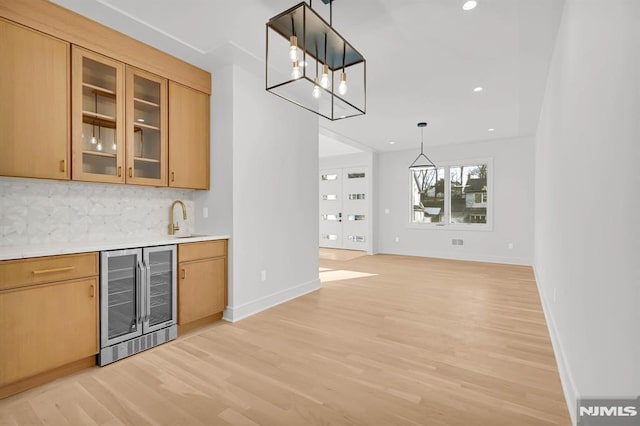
310, 64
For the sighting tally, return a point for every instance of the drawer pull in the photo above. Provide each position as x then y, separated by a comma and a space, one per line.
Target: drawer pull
63, 167
173, 176
119, 171
54, 270
130, 172
92, 291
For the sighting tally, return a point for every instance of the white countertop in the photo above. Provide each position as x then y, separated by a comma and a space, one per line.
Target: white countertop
53, 249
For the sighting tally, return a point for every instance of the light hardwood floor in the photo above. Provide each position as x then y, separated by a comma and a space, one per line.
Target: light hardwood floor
408, 341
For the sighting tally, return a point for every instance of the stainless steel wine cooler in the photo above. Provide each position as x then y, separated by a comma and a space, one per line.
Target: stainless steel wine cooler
137, 301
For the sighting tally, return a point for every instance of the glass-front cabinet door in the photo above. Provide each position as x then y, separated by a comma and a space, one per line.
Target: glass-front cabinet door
160, 306
121, 286
98, 117
146, 110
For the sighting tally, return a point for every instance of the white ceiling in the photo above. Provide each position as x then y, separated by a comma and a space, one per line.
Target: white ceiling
424, 57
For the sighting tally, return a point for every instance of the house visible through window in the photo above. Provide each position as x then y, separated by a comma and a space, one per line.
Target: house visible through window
453, 194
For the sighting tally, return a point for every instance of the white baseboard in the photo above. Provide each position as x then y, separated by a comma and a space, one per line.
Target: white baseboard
465, 256
566, 379
236, 313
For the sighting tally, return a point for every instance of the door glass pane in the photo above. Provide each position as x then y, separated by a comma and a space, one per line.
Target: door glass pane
121, 295
469, 194
160, 292
427, 195
99, 118
146, 128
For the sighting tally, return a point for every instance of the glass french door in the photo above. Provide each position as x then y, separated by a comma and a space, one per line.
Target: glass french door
160, 296
120, 296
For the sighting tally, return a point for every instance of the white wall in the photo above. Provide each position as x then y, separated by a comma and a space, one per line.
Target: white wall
263, 191
40, 211
512, 205
586, 212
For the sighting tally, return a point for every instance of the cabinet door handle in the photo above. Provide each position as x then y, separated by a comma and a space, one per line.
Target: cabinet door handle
53, 270
119, 171
63, 167
92, 291
184, 274
173, 176
130, 172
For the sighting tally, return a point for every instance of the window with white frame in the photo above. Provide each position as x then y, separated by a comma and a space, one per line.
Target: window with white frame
455, 194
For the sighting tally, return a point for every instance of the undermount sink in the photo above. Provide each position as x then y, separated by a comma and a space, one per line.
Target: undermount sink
190, 236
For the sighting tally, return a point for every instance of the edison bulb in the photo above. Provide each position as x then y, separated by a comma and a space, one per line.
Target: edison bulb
99, 146
114, 146
316, 90
342, 88
296, 70
94, 140
324, 81
293, 49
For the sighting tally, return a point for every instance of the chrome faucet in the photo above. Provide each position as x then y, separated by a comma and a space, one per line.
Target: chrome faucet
173, 228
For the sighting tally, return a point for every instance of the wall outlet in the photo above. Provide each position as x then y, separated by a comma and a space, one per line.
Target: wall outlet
510, 246
205, 212
263, 275
457, 242
397, 239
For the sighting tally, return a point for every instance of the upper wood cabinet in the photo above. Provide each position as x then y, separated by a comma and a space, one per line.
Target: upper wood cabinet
188, 137
82, 101
34, 104
146, 111
98, 117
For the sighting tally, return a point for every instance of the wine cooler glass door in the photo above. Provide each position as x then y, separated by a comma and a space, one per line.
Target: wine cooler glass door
121, 281
160, 300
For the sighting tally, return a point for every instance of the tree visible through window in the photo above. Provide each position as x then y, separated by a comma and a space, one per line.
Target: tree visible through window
450, 195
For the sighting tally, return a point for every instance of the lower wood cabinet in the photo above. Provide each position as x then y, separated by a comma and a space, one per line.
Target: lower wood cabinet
202, 283
48, 325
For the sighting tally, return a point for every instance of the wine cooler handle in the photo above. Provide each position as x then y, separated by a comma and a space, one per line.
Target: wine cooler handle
138, 294
148, 277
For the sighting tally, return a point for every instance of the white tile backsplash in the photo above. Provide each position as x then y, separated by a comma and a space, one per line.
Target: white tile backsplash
34, 211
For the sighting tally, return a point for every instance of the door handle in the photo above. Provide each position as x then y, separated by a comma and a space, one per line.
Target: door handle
130, 172
119, 171
63, 167
92, 291
184, 274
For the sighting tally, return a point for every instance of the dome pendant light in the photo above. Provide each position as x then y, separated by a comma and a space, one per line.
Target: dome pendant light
422, 162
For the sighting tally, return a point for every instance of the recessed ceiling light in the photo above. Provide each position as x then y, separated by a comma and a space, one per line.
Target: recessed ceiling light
491, 129
478, 89
469, 5
392, 143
